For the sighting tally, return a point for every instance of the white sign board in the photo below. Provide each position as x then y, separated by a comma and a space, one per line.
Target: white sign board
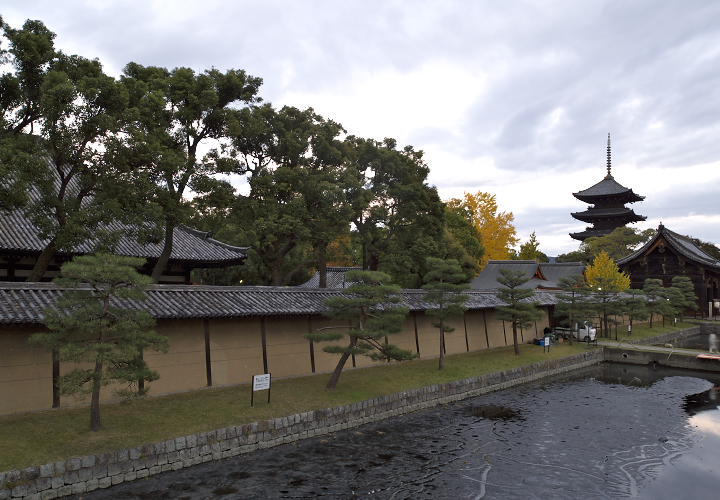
261, 382
547, 342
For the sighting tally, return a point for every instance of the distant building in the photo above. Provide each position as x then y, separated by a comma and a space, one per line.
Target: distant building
669, 254
607, 211
543, 276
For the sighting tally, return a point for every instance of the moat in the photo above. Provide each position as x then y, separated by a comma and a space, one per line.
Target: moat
607, 431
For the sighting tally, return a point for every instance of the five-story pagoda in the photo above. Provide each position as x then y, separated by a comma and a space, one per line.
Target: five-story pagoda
608, 210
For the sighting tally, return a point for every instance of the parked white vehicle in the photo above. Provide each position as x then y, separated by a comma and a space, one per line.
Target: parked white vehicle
585, 331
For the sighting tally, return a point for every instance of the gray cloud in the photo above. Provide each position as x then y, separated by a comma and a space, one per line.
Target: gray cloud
559, 75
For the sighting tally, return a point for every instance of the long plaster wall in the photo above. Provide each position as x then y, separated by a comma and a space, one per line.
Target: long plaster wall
218, 352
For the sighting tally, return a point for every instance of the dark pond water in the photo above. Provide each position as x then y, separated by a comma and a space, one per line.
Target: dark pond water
609, 431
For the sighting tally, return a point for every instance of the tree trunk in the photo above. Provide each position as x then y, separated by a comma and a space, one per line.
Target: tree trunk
95, 423
322, 265
332, 383
276, 275
162, 261
43, 261
441, 361
141, 380
651, 315
515, 340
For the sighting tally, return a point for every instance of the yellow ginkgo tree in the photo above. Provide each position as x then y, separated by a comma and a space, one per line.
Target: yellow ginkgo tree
498, 234
606, 281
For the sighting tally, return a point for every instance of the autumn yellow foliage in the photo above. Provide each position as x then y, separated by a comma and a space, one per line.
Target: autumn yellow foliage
604, 274
496, 228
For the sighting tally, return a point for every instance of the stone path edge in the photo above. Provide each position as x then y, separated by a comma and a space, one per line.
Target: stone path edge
80, 475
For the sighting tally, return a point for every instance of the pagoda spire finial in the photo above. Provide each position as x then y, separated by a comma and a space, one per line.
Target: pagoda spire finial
609, 158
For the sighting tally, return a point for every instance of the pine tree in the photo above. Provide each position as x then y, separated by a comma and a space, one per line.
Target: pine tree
574, 301
371, 306
633, 304
444, 282
687, 299
519, 311
657, 301
95, 322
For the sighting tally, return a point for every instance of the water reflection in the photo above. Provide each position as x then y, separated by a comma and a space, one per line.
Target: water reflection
610, 431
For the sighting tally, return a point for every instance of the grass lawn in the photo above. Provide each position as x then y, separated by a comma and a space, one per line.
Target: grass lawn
38, 438
643, 330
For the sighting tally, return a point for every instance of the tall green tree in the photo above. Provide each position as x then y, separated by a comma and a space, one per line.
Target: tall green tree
398, 216
371, 306
93, 323
179, 112
464, 239
530, 250
519, 311
66, 114
444, 283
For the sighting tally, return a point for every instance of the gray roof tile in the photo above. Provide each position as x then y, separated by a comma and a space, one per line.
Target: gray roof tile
18, 234
25, 302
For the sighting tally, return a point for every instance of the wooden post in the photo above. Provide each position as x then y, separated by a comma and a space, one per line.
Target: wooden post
55, 379
263, 340
417, 341
208, 359
467, 343
487, 337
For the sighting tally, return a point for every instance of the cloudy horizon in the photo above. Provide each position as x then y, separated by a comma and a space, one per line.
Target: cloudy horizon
512, 98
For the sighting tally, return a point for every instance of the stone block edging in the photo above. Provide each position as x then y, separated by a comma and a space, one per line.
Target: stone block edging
80, 475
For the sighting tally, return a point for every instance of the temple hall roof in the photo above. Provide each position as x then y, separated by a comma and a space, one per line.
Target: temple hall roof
682, 244
18, 235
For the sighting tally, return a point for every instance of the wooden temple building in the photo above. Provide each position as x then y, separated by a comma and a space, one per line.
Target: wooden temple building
21, 244
607, 211
669, 254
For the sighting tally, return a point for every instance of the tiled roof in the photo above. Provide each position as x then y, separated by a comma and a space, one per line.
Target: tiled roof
542, 275
19, 235
621, 213
680, 243
335, 277
25, 302
607, 187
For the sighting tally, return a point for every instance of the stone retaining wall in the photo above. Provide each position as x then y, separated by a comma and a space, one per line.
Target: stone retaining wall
85, 474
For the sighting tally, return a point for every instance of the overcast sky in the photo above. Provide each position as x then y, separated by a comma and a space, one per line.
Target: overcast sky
515, 98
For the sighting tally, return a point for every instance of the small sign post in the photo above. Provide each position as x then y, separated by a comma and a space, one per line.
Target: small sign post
260, 383
546, 344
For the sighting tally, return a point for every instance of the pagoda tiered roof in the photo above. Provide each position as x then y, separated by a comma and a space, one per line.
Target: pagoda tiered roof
608, 210
593, 214
608, 188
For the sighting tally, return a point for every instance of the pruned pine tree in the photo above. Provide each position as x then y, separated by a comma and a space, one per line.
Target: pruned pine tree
372, 308
687, 299
574, 301
634, 305
519, 311
444, 284
657, 302
96, 321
